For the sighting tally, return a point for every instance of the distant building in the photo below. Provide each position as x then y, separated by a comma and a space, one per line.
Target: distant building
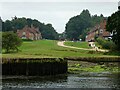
29, 33
98, 31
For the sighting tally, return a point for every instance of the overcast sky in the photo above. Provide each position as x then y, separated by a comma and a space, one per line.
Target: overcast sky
56, 12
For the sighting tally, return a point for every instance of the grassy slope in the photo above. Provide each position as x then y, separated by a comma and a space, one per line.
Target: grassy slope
48, 48
78, 44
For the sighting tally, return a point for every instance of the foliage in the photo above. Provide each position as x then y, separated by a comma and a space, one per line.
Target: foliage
96, 19
113, 26
0, 42
95, 68
47, 31
10, 41
84, 33
106, 44
92, 67
27, 40
7, 25
77, 25
18, 23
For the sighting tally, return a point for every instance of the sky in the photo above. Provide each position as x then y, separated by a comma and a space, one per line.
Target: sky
56, 12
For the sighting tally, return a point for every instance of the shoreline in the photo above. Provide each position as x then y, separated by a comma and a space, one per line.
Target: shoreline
88, 59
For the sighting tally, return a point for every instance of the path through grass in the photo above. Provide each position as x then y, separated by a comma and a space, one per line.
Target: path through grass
49, 48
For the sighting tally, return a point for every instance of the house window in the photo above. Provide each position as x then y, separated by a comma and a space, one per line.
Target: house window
101, 31
24, 33
96, 32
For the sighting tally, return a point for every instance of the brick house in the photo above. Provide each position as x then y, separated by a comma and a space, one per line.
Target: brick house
98, 31
29, 33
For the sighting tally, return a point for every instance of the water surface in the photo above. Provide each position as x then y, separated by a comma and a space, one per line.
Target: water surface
82, 80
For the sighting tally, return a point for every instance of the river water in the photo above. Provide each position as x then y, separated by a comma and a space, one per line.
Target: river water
79, 80
82, 80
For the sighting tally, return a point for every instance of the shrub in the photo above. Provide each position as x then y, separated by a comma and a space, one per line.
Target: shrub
10, 41
106, 44
27, 40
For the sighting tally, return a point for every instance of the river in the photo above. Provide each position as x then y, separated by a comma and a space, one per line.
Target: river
82, 79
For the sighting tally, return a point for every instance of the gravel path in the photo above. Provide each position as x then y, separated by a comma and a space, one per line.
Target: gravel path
94, 48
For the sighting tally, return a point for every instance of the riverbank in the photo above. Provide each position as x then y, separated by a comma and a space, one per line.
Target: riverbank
33, 66
52, 66
77, 67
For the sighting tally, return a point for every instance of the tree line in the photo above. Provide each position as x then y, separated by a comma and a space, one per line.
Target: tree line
113, 26
77, 26
47, 30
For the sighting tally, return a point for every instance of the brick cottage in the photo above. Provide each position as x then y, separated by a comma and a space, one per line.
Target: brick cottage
31, 33
98, 31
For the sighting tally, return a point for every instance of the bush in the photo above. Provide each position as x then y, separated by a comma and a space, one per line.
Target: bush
10, 41
27, 40
106, 44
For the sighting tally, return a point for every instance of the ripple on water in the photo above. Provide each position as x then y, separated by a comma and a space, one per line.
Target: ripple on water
83, 80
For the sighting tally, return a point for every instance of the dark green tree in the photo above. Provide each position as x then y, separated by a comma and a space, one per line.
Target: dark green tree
7, 25
18, 23
77, 25
35, 23
96, 19
29, 22
49, 32
113, 26
10, 41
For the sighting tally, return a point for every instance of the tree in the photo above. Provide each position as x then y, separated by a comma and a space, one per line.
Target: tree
113, 26
49, 32
77, 24
96, 19
18, 23
7, 25
10, 41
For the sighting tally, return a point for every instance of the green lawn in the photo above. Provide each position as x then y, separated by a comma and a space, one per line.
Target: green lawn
78, 44
49, 48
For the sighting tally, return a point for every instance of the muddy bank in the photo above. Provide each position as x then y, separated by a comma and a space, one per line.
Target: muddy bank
94, 59
81, 66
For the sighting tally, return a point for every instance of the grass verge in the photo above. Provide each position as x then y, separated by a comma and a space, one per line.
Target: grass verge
50, 49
